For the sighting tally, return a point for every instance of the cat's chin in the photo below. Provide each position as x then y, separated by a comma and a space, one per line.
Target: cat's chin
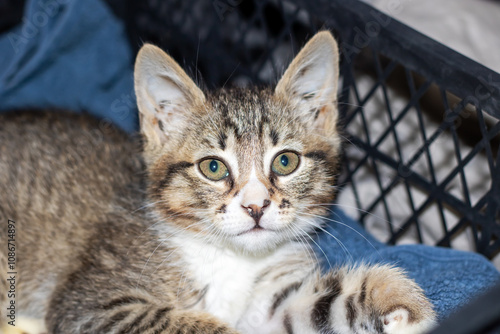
257, 241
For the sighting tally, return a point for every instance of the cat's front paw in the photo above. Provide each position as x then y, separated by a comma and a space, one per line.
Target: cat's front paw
400, 321
372, 299
397, 303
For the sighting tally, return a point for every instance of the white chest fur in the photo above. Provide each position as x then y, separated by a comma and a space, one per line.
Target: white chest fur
228, 277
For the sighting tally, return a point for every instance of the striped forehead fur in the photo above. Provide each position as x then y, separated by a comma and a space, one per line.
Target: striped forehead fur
250, 114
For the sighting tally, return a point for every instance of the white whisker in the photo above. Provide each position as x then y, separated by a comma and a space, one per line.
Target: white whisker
321, 249
343, 224
350, 207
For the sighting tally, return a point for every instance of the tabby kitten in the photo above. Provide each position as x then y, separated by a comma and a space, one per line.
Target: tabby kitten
219, 244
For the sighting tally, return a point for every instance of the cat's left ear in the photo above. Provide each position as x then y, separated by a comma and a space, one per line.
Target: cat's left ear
167, 98
310, 83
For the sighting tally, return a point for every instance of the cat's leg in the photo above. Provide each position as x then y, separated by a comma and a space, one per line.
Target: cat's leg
366, 299
103, 302
128, 313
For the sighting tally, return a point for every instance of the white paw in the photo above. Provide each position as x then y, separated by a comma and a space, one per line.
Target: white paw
398, 322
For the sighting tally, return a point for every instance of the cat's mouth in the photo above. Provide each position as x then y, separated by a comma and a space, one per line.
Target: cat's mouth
255, 229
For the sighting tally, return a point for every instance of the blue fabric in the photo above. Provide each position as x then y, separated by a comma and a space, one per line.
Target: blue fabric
449, 277
69, 54
74, 55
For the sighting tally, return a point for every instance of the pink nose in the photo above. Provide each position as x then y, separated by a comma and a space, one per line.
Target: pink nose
256, 211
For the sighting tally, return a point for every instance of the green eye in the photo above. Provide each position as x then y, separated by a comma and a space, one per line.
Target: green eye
285, 163
214, 169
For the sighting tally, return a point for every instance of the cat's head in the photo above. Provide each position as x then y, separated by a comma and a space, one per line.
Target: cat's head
246, 168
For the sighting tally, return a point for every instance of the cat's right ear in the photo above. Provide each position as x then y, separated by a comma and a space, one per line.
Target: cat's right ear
310, 83
166, 96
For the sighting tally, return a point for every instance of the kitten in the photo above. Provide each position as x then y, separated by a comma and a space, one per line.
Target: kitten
235, 179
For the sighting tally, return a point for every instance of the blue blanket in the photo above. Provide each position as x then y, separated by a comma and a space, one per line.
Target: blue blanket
449, 277
74, 54
70, 55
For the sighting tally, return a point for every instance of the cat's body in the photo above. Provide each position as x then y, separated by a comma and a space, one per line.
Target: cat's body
236, 180
60, 176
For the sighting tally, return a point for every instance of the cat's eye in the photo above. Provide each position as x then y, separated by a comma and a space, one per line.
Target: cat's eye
285, 163
214, 169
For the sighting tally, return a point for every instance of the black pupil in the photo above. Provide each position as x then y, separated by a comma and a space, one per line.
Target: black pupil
214, 165
284, 160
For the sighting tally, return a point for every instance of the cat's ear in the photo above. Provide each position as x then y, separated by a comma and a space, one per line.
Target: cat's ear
310, 82
166, 96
